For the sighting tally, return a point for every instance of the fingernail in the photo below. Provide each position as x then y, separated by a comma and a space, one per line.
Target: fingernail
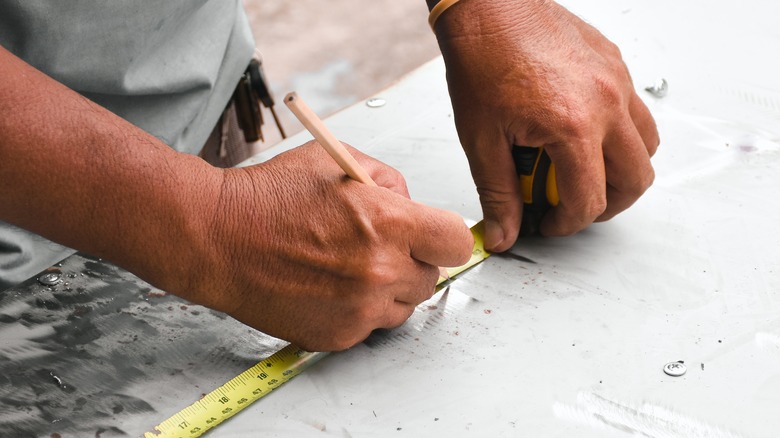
494, 234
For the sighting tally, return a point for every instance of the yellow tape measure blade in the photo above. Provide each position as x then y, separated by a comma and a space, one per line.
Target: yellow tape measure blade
478, 254
238, 393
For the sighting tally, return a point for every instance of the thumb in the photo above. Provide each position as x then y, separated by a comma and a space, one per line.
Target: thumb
495, 176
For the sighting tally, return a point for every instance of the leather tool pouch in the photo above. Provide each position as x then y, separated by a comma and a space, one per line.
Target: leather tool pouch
242, 121
252, 91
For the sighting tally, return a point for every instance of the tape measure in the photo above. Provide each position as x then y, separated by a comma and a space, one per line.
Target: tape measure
537, 184
269, 374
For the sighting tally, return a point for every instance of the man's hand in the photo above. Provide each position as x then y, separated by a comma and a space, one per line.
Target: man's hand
292, 246
530, 73
306, 254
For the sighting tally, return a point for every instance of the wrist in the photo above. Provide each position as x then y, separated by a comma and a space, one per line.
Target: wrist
167, 225
491, 25
436, 8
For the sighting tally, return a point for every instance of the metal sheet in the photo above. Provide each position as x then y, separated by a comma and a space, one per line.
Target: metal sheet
573, 343
101, 353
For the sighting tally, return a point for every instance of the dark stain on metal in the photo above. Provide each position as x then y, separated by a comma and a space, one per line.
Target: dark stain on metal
513, 256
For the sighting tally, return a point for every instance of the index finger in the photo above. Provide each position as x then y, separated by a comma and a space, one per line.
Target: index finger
581, 182
383, 174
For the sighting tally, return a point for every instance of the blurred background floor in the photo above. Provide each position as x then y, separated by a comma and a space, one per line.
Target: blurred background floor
338, 52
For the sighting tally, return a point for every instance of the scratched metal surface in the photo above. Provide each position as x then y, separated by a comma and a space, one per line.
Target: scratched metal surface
574, 344
103, 354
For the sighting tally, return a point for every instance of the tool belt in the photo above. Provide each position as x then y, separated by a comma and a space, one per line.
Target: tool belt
239, 129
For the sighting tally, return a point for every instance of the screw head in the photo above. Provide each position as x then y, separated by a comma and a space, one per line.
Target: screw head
375, 102
49, 279
675, 369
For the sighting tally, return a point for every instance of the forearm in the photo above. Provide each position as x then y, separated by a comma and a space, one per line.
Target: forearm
79, 175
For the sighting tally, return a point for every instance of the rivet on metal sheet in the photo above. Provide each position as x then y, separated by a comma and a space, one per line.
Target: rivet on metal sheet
659, 89
375, 102
49, 279
675, 369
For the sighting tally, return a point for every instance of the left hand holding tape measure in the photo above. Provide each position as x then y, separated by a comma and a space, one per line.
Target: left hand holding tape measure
534, 74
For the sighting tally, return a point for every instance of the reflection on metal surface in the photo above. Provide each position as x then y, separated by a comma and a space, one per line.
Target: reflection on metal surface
428, 315
659, 89
767, 340
375, 102
104, 351
645, 419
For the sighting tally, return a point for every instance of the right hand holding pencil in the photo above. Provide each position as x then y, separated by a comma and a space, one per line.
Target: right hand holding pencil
305, 253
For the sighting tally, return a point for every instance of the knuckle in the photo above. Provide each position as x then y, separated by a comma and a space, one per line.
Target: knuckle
495, 197
586, 212
398, 182
594, 207
577, 123
367, 314
382, 219
367, 302
396, 176
375, 273
612, 49
387, 176
357, 321
639, 185
653, 143
609, 91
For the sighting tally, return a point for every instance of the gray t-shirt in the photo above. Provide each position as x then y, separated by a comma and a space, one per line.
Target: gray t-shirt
167, 66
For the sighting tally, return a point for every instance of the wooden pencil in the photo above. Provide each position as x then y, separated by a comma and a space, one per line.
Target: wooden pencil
328, 141
335, 148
